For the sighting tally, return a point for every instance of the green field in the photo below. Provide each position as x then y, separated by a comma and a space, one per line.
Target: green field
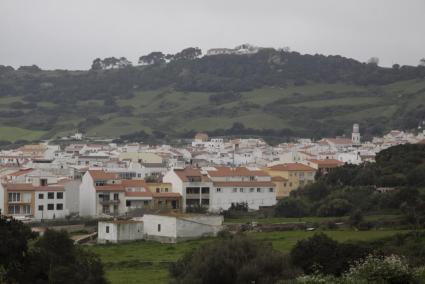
147, 262
15, 133
303, 109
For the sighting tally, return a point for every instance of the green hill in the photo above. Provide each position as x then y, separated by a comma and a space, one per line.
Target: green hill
273, 94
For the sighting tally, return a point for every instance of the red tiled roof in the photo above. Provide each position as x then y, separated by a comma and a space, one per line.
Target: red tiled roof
133, 183
165, 194
292, 167
110, 187
244, 184
340, 141
21, 172
328, 163
30, 187
278, 178
190, 172
238, 171
138, 193
102, 175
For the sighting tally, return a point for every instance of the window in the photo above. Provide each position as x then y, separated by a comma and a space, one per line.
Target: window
116, 196
271, 189
105, 209
26, 209
59, 206
290, 184
14, 197
251, 178
258, 189
251, 190
235, 189
115, 208
241, 189
128, 203
40, 207
218, 189
166, 189
50, 206
59, 195
107, 229
284, 185
14, 209
159, 227
205, 190
26, 197
43, 181
100, 182
157, 190
40, 196
51, 195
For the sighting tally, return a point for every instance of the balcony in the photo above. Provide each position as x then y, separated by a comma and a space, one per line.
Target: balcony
109, 201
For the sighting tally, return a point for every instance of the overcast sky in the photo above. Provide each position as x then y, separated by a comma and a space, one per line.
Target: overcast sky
59, 34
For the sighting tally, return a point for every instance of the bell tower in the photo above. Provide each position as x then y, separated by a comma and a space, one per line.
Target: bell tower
355, 136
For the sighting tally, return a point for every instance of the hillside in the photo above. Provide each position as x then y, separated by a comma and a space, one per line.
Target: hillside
273, 94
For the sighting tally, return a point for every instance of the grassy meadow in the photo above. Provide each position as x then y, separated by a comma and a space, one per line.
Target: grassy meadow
147, 262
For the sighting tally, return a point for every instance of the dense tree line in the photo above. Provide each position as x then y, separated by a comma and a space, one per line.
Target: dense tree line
52, 258
349, 188
318, 259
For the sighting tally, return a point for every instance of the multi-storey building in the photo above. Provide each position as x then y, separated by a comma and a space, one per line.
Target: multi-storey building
106, 193
218, 188
295, 174
33, 200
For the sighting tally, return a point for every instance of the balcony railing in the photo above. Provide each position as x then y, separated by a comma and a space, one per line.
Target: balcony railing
110, 201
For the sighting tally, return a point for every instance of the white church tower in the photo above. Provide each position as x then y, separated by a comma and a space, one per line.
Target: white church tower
355, 136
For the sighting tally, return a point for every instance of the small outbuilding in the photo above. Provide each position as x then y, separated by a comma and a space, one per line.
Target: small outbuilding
119, 231
172, 228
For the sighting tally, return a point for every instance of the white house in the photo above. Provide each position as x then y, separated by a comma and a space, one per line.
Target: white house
119, 231
177, 227
218, 187
105, 193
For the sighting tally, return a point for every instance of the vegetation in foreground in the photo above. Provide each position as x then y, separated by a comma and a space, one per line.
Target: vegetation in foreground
52, 258
148, 262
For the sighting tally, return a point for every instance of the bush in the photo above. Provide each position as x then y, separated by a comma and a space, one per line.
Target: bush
292, 207
233, 260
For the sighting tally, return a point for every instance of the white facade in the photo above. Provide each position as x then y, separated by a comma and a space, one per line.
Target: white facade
119, 231
170, 229
50, 205
87, 196
221, 198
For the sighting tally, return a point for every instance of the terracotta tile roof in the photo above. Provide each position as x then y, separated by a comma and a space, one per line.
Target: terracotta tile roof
133, 183
238, 171
328, 163
30, 187
21, 172
190, 172
278, 178
102, 175
244, 184
138, 193
340, 141
110, 187
292, 167
166, 194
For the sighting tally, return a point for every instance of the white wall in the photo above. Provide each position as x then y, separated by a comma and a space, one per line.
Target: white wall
87, 196
224, 199
49, 214
120, 231
72, 192
199, 226
168, 226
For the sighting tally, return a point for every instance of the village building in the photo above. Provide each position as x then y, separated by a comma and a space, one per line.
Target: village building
295, 175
